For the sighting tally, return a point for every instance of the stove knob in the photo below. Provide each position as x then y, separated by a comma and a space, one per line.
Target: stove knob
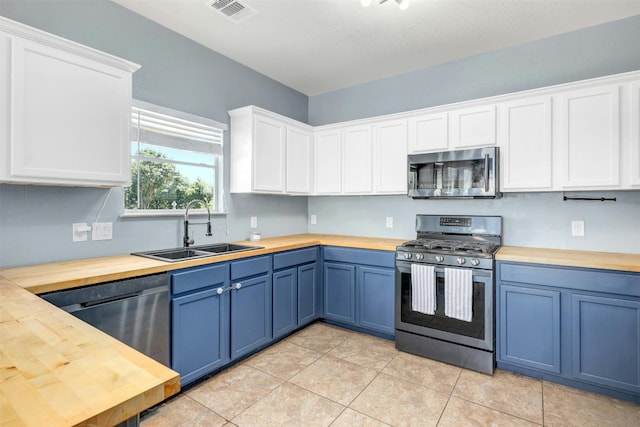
406, 255
460, 260
439, 258
475, 261
419, 257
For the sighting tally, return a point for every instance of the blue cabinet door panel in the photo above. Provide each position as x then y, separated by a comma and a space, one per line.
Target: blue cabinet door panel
606, 341
529, 327
376, 298
308, 294
285, 301
200, 334
250, 315
339, 292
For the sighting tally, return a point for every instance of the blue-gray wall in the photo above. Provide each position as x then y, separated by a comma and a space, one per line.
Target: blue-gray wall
35, 222
536, 220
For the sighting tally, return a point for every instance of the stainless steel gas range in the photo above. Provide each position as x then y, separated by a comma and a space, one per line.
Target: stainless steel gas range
445, 290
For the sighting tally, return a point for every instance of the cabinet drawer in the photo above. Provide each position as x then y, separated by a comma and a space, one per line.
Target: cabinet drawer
360, 256
199, 278
250, 267
288, 259
586, 279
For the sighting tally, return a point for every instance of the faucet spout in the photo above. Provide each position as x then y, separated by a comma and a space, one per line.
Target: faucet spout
186, 240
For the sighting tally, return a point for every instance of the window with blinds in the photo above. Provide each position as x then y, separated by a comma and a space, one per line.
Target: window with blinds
175, 158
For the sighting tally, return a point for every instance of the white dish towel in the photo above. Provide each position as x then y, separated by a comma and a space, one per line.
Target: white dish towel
423, 288
458, 293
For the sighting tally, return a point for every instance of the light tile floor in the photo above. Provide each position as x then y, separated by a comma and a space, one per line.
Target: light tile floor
328, 376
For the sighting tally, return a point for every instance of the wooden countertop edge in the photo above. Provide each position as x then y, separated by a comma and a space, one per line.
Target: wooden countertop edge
571, 258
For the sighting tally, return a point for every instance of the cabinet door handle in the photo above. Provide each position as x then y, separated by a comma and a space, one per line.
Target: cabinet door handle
237, 286
220, 291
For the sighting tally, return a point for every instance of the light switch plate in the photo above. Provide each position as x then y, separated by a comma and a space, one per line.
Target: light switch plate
254, 222
389, 222
102, 231
314, 219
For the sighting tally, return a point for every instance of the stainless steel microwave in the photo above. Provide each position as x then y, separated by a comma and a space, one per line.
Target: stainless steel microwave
471, 173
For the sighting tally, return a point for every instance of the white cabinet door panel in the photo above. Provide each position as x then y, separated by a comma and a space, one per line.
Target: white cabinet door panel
390, 157
525, 144
269, 155
635, 134
299, 160
473, 127
428, 133
328, 162
590, 138
357, 160
59, 129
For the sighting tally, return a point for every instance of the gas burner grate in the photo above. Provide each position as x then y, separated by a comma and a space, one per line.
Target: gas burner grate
452, 245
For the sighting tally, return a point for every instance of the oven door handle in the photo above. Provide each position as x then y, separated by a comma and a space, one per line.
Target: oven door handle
405, 267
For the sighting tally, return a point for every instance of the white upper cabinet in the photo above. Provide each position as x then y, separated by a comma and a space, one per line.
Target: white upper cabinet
328, 161
66, 111
635, 134
357, 160
525, 144
390, 157
428, 133
269, 153
589, 138
299, 160
473, 127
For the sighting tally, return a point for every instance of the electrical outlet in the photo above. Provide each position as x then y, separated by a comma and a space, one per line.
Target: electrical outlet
80, 231
389, 222
577, 228
254, 222
102, 231
313, 220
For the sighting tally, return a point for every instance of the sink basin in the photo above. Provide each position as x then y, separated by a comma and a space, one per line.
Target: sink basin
194, 252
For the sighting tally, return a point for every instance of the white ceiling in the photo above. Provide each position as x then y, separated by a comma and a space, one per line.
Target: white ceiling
316, 46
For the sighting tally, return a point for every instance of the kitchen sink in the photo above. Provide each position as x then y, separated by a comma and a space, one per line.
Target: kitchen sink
194, 252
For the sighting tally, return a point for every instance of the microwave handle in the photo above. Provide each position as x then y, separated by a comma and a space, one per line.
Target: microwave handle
486, 173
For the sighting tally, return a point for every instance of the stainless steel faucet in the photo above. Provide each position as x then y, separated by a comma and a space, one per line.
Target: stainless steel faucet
186, 240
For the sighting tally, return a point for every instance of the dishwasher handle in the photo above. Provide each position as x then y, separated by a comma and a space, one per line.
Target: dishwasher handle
94, 303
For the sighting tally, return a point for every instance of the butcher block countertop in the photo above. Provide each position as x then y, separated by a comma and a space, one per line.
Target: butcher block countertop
571, 258
56, 370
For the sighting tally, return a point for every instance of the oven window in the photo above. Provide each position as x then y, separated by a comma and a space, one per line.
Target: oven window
473, 329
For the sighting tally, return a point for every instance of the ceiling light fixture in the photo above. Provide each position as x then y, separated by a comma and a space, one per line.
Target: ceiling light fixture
403, 4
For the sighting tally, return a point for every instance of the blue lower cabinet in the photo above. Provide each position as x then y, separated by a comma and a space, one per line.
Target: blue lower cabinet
576, 326
250, 314
285, 301
359, 288
309, 294
529, 327
606, 341
376, 298
199, 321
340, 292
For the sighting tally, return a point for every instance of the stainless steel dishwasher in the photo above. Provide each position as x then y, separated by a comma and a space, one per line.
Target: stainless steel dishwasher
134, 311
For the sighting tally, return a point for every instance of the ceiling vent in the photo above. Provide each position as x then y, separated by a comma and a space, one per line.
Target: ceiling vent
233, 9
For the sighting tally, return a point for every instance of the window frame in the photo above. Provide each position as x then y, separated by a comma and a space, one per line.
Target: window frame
220, 200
